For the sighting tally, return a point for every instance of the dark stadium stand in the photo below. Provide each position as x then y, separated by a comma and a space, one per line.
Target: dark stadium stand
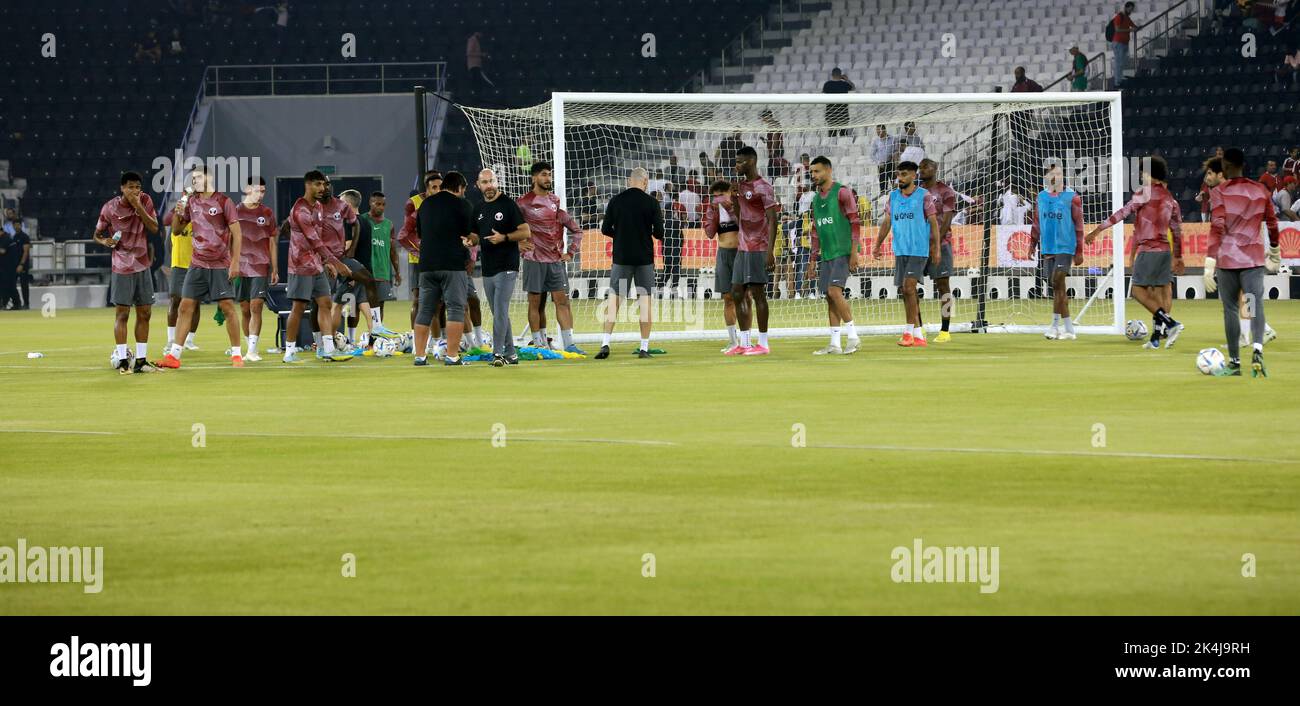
1209, 95
71, 137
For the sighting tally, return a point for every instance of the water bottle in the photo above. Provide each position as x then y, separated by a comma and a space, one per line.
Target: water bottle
185, 198
117, 237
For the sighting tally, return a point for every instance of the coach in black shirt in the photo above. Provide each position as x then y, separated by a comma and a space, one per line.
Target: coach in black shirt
633, 219
501, 227
445, 223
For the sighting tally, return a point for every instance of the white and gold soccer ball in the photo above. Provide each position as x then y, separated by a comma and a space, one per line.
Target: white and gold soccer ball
1210, 361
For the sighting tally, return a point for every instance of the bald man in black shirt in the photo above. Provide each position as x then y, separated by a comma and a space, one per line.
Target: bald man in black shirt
633, 219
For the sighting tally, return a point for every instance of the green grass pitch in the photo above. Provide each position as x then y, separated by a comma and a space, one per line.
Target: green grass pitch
987, 441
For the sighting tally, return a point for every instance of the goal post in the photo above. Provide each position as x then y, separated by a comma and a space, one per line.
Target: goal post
992, 148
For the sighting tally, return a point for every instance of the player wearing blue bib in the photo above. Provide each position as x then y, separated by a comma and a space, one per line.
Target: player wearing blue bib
910, 216
1058, 232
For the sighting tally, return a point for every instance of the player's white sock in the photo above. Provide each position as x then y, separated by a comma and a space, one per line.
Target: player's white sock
538, 339
1056, 320
121, 351
317, 337
141, 351
919, 332
234, 352
189, 338
483, 341
352, 333
604, 339
851, 328
376, 317
328, 342
252, 344
177, 349
1069, 325
762, 338
645, 344
835, 336
567, 336
1258, 346
171, 336
744, 338
732, 336
290, 349
1245, 328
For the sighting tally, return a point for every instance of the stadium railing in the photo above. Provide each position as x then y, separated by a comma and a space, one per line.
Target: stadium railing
60, 261
307, 79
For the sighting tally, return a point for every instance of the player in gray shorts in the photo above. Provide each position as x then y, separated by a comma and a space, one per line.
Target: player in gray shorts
251, 288
1153, 269
944, 269
177, 281
135, 289
909, 266
308, 288
542, 277
212, 284
1058, 262
832, 273
724, 270
749, 268
623, 278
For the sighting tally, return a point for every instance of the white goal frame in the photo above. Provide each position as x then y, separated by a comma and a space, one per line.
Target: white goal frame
1113, 99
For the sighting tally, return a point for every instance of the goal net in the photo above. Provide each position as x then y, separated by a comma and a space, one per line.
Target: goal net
993, 149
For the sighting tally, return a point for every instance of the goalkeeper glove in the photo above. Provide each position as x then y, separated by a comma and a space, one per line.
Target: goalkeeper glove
1273, 262
1210, 285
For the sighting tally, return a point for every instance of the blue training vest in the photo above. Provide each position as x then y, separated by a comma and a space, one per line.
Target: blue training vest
911, 230
1056, 223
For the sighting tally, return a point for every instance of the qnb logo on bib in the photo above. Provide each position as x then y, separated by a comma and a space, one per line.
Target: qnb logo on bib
825, 221
904, 216
1054, 215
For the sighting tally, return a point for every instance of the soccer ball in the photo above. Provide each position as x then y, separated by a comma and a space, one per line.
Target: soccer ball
1210, 361
113, 359
406, 343
384, 347
1135, 330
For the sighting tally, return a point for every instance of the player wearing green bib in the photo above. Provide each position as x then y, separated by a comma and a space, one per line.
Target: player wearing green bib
836, 236
383, 250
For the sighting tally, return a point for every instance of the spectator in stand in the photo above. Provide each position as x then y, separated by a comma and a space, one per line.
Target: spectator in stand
693, 181
837, 114
1079, 71
1290, 68
883, 149
1120, 30
659, 185
724, 157
909, 151
1283, 200
709, 167
800, 178
1270, 177
149, 50
10, 221
1024, 84
175, 48
778, 167
675, 173
1203, 198
474, 56
689, 201
909, 131
672, 241
1291, 166
8, 272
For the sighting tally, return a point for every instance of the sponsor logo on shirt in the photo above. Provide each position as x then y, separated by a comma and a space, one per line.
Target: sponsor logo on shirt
498, 216
212, 211
261, 220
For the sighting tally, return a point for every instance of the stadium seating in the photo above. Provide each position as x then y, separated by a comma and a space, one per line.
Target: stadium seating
74, 121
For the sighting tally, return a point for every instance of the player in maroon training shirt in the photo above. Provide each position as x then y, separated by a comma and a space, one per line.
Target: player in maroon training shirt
1155, 214
945, 201
544, 262
310, 259
1235, 258
258, 264
122, 223
757, 210
214, 264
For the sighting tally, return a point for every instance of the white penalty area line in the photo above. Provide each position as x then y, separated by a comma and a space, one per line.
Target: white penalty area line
59, 431
1045, 452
